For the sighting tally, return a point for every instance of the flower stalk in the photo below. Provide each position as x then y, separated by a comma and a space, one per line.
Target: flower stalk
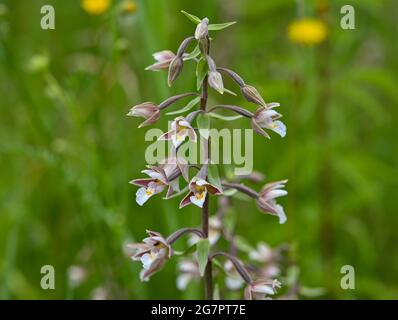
156, 250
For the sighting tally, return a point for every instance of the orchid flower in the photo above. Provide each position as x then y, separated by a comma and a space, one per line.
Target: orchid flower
163, 60
266, 199
266, 117
160, 177
180, 129
198, 190
153, 252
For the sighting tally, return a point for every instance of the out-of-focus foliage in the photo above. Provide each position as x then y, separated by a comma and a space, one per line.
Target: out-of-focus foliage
67, 150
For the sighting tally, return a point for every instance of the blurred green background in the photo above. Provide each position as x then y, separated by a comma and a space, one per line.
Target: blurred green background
67, 150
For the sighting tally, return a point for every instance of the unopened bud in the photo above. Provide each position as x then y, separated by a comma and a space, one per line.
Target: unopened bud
215, 81
175, 69
202, 30
251, 94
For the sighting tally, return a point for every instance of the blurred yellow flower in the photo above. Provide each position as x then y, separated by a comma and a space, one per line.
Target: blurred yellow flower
95, 7
307, 31
129, 6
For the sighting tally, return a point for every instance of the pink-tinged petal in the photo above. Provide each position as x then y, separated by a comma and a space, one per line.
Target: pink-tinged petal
184, 168
155, 117
213, 189
153, 233
273, 185
272, 105
163, 55
141, 182
192, 135
166, 136
265, 206
144, 110
258, 129
186, 201
159, 66
265, 116
155, 266
155, 175
272, 194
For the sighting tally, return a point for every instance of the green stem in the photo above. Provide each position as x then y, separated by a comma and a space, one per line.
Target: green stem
208, 277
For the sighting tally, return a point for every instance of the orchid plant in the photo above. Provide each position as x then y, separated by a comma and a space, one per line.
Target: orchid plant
201, 260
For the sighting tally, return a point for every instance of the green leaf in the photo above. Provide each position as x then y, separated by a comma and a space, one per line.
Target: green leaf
213, 176
191, 17
195, 52
220, 26
201, 71
188, 107
203, 122
187, 252
202, 253
230, 92
226, 118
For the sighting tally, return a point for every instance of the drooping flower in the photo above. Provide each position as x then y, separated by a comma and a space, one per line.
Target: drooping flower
266, 117
95, 7
180, 129
162, 176
307, 31
153, 252
215, 229
233, 279
198, 190
188, 270
148, 110
261, 288
163, 60
266, 199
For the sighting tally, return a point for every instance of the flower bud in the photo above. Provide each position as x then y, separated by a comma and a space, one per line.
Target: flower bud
202, 30
163, 60
175, 69
147, 110
215, 81
251, 94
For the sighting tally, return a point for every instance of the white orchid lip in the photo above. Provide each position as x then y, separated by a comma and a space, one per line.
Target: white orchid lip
199, 188
160, 178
